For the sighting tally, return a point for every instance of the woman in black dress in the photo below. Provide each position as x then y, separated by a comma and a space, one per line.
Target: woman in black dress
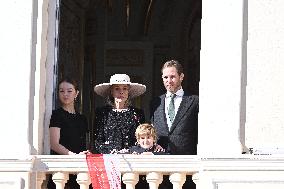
117, 121
68, 128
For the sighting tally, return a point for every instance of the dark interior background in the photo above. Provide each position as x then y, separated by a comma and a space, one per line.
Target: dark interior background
97, 38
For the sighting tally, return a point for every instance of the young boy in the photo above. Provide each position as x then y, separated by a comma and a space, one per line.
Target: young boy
146, 141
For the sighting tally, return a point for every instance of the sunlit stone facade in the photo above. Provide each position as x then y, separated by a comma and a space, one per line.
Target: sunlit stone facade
241, 101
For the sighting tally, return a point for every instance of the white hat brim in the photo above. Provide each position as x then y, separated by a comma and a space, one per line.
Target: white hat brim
135, 89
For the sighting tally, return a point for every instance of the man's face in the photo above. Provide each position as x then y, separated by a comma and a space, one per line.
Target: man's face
171, 79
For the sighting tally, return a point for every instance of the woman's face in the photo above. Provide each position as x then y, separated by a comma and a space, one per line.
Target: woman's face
67, 93
120, 92
146, 141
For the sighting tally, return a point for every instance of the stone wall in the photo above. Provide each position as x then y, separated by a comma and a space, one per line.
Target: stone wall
265, 68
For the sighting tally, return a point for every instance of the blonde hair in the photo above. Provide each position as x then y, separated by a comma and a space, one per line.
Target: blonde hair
146, 129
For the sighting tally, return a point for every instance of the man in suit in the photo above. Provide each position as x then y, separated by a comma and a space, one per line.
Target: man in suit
175, 113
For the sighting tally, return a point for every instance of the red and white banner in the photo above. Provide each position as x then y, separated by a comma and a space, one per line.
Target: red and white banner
104, 171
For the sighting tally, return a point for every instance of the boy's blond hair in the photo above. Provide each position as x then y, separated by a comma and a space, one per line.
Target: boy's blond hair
146, 129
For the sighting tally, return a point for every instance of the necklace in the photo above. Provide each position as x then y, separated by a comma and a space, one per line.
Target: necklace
120, 110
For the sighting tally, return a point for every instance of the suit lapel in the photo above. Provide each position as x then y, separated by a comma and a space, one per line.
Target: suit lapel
184, 106
161, 112
164, 118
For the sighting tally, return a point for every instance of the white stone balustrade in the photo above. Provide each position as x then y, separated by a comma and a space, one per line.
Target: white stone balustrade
83, 180
244, 171
60, 179
130, 180
40, 177
177, 179
154, 179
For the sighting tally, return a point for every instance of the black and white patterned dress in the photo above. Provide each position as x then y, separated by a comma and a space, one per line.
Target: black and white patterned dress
115, 130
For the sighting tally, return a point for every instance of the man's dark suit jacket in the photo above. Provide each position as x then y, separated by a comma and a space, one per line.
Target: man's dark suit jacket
183, 136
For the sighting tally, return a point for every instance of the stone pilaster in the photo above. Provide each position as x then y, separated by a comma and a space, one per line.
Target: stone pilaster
222, 57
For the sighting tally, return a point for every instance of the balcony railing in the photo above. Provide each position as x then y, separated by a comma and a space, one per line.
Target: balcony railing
244, 171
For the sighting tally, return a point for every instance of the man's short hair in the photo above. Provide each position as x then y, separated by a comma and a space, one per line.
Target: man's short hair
173, 63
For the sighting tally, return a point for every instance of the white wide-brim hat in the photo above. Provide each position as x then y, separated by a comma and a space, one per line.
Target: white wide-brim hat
135, 89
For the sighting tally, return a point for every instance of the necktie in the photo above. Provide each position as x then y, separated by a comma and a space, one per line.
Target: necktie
171, 110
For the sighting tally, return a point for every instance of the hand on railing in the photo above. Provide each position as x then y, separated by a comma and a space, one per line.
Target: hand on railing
159, 148
123, 151
71, 153
84, 152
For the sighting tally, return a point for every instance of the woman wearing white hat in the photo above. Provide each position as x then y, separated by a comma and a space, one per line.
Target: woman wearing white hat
117, 121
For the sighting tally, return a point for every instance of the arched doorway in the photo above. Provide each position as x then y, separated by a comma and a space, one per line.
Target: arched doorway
98, 38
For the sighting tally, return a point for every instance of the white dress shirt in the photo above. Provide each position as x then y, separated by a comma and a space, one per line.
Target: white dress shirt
177, 101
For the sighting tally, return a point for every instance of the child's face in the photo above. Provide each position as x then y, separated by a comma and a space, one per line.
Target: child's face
146, 141
67, 93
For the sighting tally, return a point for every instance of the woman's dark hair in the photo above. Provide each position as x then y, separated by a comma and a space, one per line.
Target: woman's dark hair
71, 81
